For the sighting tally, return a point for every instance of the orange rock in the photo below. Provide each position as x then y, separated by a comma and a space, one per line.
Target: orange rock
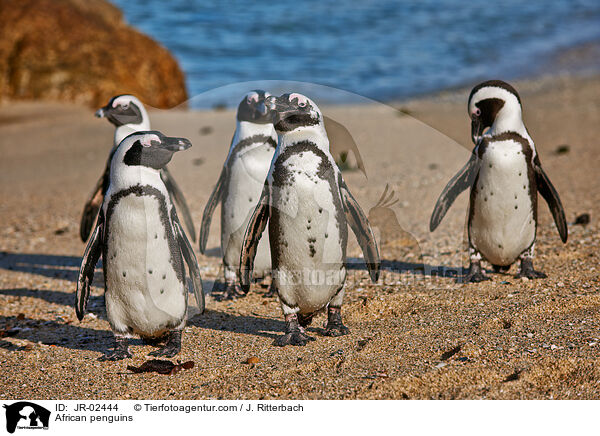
82, 51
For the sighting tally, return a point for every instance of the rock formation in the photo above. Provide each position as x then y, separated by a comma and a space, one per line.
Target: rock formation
81, 51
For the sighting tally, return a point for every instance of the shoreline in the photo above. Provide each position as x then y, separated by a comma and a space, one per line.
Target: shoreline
577, 62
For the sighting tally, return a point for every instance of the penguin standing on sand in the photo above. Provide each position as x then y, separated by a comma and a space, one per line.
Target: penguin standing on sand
128, 115
239, 187
308, 207
505, 175
142, 244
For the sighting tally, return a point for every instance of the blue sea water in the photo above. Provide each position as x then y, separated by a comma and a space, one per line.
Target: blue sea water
382, 50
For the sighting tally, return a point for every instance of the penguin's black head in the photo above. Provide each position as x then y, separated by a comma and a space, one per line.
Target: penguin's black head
293, 111
486, 101
151, 149
253, 109
123, 109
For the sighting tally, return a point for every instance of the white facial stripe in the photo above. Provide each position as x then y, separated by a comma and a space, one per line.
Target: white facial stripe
123, 100
302, 100
146, 140
492, 92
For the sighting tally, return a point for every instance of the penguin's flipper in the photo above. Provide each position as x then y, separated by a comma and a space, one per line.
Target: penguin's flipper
460, 182
254, 231
179, 200
362, 229
91, 208
190, 258
88, 265
549, 193
214, 199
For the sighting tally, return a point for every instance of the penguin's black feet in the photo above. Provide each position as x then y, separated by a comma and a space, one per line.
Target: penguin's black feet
475, 274
232, 291
297, 338
171, 348
294, 333
335, 326
528, 271
498, 269
272, 292
115, 355
120, 352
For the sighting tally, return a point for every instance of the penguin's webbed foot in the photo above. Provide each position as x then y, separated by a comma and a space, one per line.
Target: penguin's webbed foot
528, 271
171, 348
120, 352
294, 333
475, 274
476, 277
232, 291
297, 338
335, 326
115, 355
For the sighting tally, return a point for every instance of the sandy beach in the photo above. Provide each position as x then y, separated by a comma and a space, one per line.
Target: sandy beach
414, 335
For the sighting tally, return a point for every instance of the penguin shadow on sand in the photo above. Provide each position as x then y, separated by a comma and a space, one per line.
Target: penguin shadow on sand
65, 298
56, 332
47, 265
394, 239
55, 267
246, 324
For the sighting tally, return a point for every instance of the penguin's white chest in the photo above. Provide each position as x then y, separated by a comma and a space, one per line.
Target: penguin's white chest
502, 224
310, 255
247, 175
143, 292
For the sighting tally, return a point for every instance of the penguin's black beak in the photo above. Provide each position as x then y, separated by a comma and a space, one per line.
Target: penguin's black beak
270, 102
477, 128
174, 144
100, 113
262, 109
279, 107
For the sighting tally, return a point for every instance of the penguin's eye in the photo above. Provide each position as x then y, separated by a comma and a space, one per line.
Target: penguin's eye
125, 106
302, 104
476, 112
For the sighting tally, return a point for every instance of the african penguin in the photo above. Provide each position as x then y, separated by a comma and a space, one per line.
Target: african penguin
308, 206
505, 175
128, 115
239, 187
142, 244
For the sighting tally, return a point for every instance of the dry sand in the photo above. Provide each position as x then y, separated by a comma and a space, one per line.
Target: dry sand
413, 336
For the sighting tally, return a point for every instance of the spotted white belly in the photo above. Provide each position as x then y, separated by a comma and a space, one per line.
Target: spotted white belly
502, 225
310, 256
143, 294
247, 175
